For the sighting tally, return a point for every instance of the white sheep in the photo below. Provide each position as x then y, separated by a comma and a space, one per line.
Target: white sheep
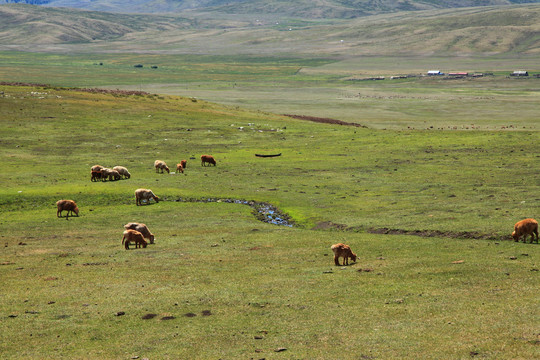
160, 165
122, 171
144, 195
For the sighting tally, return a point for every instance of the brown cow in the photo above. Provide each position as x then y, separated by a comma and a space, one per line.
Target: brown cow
66, 205
183, 163
207, 159
179, 168
344, 251
133, 236
524, 228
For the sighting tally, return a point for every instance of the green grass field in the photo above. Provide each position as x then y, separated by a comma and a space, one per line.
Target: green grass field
218, 283
316, 87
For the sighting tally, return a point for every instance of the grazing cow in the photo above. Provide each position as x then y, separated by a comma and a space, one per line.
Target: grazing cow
142, 228
344, 251
66, 205
524, 228
179, 168
133, 236
144, 195
160, 165
207, 159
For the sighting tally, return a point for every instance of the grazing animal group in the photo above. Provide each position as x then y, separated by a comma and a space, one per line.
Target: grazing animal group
98, 172
135, 237
142, 228
137, 232
181, 166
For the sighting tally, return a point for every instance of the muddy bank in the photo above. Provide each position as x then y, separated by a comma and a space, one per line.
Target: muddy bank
263, 211
269, 213
328, 225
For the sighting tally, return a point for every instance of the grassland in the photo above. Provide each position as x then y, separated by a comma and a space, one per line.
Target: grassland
317, 87
454, 161
221, 284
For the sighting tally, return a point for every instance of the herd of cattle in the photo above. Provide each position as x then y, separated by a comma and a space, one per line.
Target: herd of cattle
137, 232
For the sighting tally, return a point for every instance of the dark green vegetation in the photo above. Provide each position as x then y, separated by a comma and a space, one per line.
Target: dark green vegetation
71, 291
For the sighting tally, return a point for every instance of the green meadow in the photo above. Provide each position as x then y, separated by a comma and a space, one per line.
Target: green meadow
220, 284
320, 86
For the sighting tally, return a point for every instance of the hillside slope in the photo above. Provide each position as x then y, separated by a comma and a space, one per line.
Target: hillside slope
298, 8
468, 31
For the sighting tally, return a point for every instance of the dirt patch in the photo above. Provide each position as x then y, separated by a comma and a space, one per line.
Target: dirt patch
438, 233
324, 120
329, 225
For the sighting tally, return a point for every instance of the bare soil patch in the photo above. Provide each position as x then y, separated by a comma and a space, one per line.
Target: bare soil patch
324, 120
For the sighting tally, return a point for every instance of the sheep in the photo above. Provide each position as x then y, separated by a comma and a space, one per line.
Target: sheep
344, 251
144, 195
122, 171
110, 174
142, 228
179, 168
524, 228
96, 168
66, 205
95, 175
160, 165
207, 159
133, 236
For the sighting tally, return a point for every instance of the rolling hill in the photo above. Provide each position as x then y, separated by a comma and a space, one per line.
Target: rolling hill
511, 30
299, 8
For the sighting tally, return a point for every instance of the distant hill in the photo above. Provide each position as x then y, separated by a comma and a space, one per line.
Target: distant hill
314, 9
510, 30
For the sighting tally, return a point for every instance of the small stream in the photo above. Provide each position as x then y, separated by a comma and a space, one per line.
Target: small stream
263, 211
